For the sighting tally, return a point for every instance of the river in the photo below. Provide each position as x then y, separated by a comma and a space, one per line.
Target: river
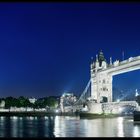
68, 126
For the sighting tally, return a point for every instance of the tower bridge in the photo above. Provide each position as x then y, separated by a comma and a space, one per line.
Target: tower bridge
102, 75
100, 85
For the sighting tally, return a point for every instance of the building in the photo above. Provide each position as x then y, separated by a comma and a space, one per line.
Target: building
32, 100
2, 104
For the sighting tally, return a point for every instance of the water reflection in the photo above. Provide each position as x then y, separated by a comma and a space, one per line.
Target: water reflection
14, 126
66, 126
2, 126
20, 127
98, 128
102, 127
136, 130
120, 127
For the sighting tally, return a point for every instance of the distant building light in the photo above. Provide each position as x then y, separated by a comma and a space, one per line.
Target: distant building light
32, 100
136, 93
118, 100
2, 104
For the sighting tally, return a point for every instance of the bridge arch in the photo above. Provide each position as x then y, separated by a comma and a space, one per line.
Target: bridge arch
124, 86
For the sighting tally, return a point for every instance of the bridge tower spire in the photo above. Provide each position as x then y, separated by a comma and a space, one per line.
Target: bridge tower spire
101, 58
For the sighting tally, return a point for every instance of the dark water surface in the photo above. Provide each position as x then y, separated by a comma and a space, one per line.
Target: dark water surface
68, 126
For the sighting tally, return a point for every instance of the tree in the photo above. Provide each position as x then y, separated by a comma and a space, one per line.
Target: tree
10, 102
50, 101
39, 103
24, 102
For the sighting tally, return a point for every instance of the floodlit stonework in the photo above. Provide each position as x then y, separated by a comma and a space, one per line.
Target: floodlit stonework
2, 104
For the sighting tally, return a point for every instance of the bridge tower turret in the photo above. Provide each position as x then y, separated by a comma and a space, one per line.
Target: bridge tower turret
110, 61
101, 58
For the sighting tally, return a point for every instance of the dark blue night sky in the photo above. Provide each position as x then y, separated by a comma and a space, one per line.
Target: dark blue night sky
46, 48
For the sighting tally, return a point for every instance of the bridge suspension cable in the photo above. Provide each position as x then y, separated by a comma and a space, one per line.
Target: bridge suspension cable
83, 96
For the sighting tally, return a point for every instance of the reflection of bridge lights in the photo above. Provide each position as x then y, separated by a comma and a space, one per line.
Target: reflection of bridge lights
58, 126
120, 127
136, 132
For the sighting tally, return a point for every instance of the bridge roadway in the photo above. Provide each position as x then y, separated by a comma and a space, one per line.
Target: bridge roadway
131, 64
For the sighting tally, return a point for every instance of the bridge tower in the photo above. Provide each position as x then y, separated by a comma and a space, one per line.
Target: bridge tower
101, 83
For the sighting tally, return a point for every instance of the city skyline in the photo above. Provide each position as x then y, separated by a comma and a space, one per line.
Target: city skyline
46, 48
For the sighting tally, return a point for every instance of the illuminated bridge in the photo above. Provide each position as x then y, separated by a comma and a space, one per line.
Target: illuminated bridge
98, 92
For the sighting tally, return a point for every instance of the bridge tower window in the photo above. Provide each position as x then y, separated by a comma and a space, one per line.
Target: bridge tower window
104, 89
104, 99
104, 81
